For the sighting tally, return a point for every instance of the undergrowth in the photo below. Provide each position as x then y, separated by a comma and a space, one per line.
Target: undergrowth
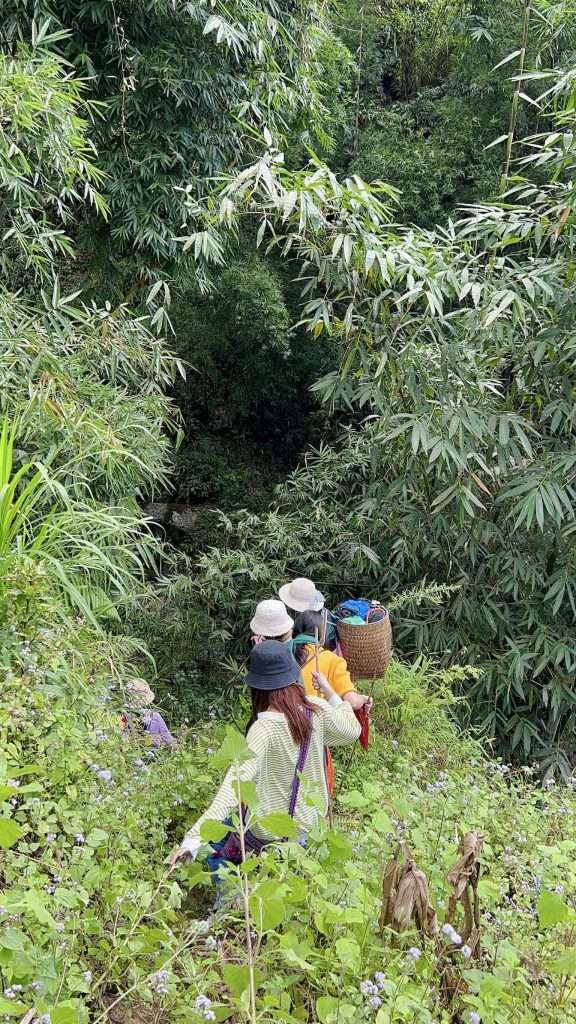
93, 927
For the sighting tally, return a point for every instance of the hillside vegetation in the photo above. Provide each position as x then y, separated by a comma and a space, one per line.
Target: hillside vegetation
92, 924
237, 277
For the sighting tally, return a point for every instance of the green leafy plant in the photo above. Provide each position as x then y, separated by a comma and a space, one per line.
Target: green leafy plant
458, 344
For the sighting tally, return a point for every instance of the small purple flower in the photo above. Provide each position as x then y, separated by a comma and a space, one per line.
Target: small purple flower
368, 988
450, 932
50, 837
466, 952
87, 975
380, 979
203, 1004
79, 839
375, 1002
158, 982
104, 774
473, 1017
414, 953
12, 992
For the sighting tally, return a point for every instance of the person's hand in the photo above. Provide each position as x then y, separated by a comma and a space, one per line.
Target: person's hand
257, 640
321, 684
359, 700
185, 853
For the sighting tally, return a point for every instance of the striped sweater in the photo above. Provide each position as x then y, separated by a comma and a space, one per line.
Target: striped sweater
275, 758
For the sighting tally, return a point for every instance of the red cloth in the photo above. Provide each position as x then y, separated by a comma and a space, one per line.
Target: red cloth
364, 720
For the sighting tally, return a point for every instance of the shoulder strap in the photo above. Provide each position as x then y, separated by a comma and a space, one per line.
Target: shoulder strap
302, 755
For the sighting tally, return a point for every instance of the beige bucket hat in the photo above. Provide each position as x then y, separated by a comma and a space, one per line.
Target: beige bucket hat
301, 595
271, 619
140, 689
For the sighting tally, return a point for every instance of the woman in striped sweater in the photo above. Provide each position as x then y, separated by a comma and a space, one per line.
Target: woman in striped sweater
287, 735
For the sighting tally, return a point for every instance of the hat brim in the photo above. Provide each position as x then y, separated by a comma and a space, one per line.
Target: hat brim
314, 604
293, 602
261, 628
277, 682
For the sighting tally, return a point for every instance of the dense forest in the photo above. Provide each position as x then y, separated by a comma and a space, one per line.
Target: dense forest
287, 289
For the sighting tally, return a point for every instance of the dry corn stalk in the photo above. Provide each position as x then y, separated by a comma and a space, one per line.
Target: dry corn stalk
405, 899
464, 876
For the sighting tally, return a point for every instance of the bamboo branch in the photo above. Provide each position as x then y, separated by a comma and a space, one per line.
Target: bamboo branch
515, 100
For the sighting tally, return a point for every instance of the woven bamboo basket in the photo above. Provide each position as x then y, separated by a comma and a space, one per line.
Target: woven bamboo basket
368, 648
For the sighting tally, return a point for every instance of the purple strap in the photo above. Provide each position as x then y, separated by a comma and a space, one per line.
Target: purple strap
252, 844
303, 754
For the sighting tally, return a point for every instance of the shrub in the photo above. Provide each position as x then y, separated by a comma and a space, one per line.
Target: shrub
92, 924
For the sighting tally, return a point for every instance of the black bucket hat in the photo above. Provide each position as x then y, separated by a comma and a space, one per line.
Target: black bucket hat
272, 666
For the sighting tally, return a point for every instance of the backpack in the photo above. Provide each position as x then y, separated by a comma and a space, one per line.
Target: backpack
366, 610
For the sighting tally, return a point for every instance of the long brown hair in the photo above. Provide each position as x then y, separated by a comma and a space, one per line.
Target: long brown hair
291, 702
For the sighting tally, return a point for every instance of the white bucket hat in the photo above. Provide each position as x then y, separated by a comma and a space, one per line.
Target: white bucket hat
301, 595
271, 619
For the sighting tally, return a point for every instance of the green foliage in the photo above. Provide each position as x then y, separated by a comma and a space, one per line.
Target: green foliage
237, 342
459, 344
87, 817
226, 470
248, 386
183, 86
91, 556
87, 387
46, 158
433, 92
429, 149
82, 388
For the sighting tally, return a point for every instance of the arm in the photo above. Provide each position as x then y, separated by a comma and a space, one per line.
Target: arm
341, 726
358, 700
338, 720
341, 683
227, 797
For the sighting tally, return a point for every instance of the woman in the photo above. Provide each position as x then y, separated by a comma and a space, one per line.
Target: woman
271, 622
306, 626
140, 696
302, 595
287, 735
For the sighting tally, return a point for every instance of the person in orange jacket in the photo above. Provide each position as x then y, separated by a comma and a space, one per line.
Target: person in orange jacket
308, 625
332, 665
